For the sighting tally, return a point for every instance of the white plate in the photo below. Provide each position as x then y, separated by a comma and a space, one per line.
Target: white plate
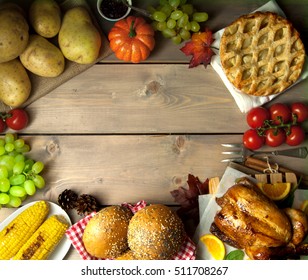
54, 209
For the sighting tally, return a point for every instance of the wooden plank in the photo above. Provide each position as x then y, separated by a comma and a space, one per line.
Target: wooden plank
142, 99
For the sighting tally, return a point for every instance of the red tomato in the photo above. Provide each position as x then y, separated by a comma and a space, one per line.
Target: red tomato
280, 111
275, 138
300, 110
252, 140
17, 119
296, 136
3, 125
256, 116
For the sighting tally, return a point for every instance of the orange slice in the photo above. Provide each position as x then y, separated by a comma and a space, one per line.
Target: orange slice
214, 246
304, 206
275, 191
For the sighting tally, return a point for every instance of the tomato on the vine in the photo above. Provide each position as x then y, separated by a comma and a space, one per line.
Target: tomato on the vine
300, 110
17, 119
256, 116
252, 140
296, 135
275, 137
280, 113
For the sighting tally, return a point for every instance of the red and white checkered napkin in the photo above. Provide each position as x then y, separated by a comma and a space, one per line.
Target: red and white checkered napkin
75, 232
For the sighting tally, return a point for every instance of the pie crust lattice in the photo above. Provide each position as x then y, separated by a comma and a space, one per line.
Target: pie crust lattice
261, 53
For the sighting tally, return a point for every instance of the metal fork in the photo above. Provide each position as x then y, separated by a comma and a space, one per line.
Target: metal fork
242, 152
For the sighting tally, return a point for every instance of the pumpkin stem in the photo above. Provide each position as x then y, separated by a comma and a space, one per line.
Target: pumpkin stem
132, 32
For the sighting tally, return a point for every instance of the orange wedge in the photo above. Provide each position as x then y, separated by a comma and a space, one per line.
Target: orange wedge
214, 246
275, 191
304, 206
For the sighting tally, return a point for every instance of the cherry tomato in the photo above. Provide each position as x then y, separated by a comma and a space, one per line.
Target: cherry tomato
252, 140
296, 136
275, 137
3, 126
300, 110
256, 116
280, 111
17, 119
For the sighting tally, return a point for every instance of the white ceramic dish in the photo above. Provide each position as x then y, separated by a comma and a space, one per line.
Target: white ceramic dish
64, 245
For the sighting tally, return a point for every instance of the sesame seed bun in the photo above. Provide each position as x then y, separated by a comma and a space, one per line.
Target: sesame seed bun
105, 236
155, 233
128, 255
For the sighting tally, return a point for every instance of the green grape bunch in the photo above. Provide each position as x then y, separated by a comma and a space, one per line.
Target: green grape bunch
20, 176
177, 19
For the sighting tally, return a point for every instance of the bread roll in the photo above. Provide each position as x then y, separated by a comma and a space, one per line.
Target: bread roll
155, 233
105, 236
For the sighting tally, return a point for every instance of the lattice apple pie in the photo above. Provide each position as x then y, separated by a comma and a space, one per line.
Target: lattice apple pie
261, 53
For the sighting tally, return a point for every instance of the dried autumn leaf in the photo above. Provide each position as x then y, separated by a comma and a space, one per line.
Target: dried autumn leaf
200, 48
188, 201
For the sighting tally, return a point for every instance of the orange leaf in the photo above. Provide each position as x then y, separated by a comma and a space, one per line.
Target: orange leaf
200, 48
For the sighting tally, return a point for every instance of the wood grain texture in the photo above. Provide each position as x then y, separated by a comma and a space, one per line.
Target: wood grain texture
143, 99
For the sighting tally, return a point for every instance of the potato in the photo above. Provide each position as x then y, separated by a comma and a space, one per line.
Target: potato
15, 84
42, 58
79, 40
45, 17
14, 32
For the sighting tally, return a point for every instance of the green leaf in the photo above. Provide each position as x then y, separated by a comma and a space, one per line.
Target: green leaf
235, 255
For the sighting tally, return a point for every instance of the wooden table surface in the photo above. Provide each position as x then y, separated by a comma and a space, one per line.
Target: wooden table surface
124, 132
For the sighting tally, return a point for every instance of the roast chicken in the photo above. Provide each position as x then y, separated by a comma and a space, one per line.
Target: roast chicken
251, 221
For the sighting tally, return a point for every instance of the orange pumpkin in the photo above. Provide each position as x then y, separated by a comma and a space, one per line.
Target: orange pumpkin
132, 39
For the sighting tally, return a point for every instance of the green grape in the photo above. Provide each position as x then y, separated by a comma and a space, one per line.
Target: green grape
161, 26
17, 191
17, 179
24, 149
151, 9
4, 198
163, 2
168, 33
174, 3
159, 16
200, 16
183, 20
13, 154
19, 157
9, 147
187, 26
2, 142
37, 167
14, 201
176, 14
2, 150
9, 138
29, 187
166, 9
194, 26
19, 143
3, 172
4, 184
176, 39
18, 167
185, 34
171, 23
39, 181
182, 2
7, 161
28, 165
187, 9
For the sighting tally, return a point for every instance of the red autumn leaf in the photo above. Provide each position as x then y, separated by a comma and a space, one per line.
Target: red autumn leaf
188, 201
200, 48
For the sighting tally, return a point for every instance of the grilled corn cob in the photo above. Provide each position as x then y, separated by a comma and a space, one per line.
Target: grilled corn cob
17, 232
44, 240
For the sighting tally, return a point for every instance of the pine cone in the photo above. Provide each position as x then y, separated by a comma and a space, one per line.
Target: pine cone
87, 204
67, 199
